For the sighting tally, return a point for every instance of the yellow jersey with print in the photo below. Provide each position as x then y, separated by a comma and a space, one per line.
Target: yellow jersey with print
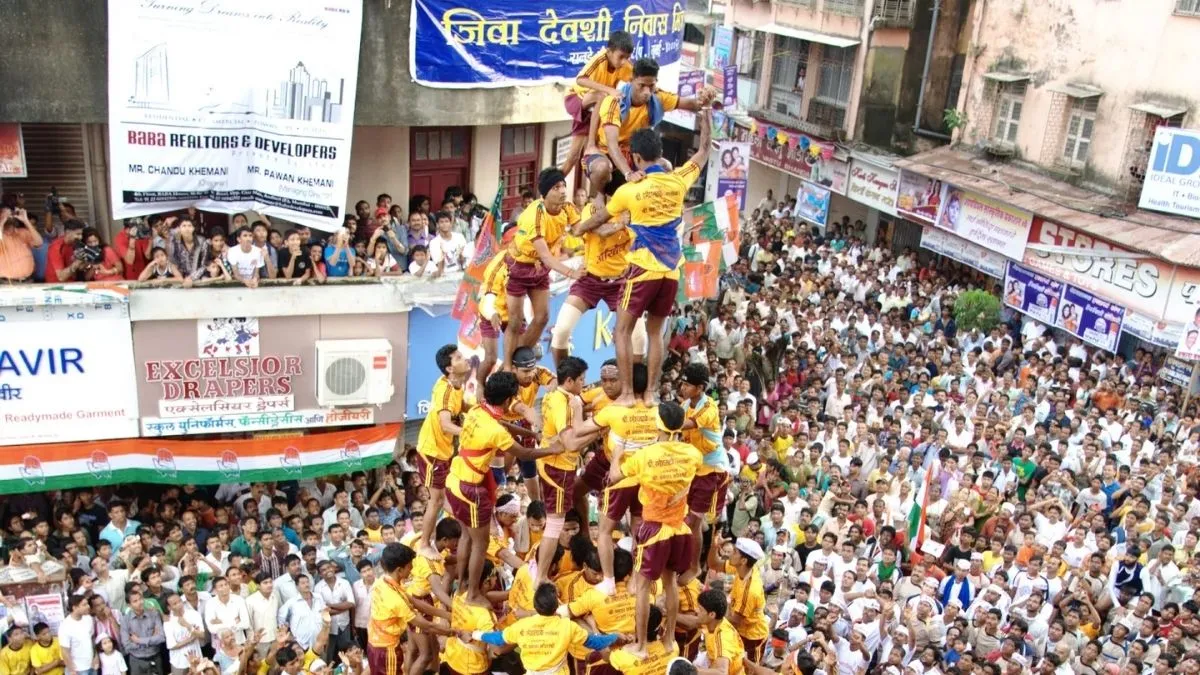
613, 613
391, 613
16, 661
528, 393
420, 580
604, 256
748, 601
432, 440
653, 663
706, 437
468, 658
571, 586
520, 594
545, 641
497, 542
637, 118
663, 472
725, 643
655, 207
600, 71
556, 417
536, 222
481, 439
629, 427
495, 281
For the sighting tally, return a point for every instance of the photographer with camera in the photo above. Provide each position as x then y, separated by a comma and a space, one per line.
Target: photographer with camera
131, 245
18, 238
102, 261
61, 263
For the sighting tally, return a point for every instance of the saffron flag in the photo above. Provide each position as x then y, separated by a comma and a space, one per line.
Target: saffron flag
487, 244
717, 221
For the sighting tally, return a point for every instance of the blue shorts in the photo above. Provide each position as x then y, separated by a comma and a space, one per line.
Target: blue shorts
528, 468
498, 474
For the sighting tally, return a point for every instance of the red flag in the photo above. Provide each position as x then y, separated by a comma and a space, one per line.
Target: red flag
486, 248
468, 327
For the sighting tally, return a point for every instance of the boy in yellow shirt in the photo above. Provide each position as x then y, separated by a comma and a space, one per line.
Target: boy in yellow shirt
658, 654
721, 640
462, 654
14, 657
546, 639
435, 443
46, 653
598, 78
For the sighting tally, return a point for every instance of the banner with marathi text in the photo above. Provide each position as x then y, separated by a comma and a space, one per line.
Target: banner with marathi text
469, 44
63, 466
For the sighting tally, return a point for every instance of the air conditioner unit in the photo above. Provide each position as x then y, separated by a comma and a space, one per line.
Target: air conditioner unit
354, 372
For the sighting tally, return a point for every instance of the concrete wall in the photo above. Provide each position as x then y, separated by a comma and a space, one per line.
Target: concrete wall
55, 70
1134, 50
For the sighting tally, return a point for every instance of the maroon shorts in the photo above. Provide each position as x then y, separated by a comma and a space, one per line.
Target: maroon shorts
487, 330
653, 296
587, 162
592, 289
689, 643
595, 472
615, 503
558, 489
432, 471
754, 649
472, 504
598, 665
707, 494
656, 554
526, 277
581, 118
386, 660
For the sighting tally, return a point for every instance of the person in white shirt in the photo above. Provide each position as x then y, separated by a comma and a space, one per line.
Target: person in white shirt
226, 611
245, 259
1161, 575
305, 615
75, 638
446, 248
263, 609
336, 595
341, 500
184, 630
362, 599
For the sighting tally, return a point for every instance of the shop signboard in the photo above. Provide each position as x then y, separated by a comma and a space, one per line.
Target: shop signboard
1090, 318
1172, 182
918, 197
1031, 293
812, 203
874, 186
985, 221
959, 249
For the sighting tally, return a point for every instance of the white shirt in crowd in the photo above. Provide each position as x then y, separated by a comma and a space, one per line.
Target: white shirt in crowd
176, 633
245, 263
231, 614
75, 640
449, 250
340, 592
263, 611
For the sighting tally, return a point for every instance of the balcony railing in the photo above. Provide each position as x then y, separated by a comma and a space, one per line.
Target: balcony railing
844, 7
898, 13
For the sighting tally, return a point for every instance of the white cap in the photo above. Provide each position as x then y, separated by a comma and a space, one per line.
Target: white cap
752, 458
749, 548
963, 565
871, 604
316, 665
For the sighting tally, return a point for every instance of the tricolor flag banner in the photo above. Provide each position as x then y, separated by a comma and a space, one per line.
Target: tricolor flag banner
916, 515
487, 245
701, 272
61, 466
718, 221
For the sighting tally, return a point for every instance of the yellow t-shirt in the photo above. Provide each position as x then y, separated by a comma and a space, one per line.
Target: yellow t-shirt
40, 656
605, 256
724, 643
556, 417
628, 427
613, 613
594, 397
638, 118
520, 594
495, 281
544, 642
654, 663
663, 472
706, 437
749, 601
571, 586
482, 437
534, 223
472, 658
527, 394
16, 661
420, 581
432, 441
599, 70
391, 612
374, 536
653, 203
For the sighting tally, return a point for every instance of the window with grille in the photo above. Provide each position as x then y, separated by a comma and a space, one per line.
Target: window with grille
750, 46
520, 140
788, 72
847, 7
896, 12
1187, 7
828, 114
837, 71
1081, 122
1008, 112
440, 144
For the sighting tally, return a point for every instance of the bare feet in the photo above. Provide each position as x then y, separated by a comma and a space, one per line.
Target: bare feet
650, 399
626, 400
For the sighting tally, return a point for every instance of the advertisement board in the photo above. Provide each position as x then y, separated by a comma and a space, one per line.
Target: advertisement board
874, 186
963, 251
812, 203
12, 151
985, 221
804, 156
457, 45
266, 126
1172, 182
1031, 293
1094, 320
728, 171
918, 198
66, 371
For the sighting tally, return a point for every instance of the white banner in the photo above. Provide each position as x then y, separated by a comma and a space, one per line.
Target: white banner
233, 106
965, 252
66, 374
874, 186
1172, 173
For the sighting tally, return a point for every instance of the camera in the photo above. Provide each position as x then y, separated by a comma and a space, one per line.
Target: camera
53, 202
89, 254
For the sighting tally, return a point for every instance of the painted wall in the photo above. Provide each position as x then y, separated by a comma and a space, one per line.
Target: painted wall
1134, 50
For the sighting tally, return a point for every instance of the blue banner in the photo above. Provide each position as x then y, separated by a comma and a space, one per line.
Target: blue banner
1090, 318
468, 44
1031, 293
592, 342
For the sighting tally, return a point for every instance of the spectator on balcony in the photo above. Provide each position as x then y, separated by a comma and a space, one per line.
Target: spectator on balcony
132, 244
262, 231
160, 231
215, 271
61, 264
448, 249
339, 255
418, 203
420, 267
160, 268
108, 267
294, 263
418, 233
187, 249
275, 238
382, 263
245, 260
18, 238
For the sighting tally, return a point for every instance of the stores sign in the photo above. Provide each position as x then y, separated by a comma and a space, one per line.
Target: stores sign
874, 186
1172, 182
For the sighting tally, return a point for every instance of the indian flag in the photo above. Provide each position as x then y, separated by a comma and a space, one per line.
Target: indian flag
60, 466
718, 221
916, 515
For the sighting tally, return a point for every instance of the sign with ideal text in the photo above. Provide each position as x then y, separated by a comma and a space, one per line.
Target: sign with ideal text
729, 170
963, 251
918, 198
812, 203
264, 128
874, 186
1094, 320
1172, 182
169, 461
1031, 293
985, 221
12, 151
66, 372
465, 45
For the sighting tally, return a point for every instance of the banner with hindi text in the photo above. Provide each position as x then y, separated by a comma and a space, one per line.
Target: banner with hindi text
471, 44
